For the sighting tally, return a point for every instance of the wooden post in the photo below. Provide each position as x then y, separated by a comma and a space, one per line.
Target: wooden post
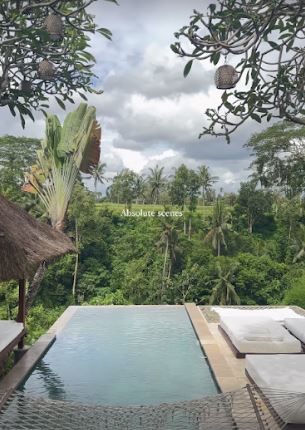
21, 308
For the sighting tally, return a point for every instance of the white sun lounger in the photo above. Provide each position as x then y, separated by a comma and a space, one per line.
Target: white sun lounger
296, 326
281, 372
253, 335
10, 334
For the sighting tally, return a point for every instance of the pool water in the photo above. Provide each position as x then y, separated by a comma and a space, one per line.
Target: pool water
133, 355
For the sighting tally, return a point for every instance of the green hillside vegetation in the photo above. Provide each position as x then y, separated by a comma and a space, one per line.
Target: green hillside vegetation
119, 208
245, 248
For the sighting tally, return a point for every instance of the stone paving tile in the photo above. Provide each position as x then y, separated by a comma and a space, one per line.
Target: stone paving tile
229, 383
228, 371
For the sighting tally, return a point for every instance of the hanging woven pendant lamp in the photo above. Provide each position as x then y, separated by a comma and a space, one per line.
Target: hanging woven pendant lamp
46, 70
226, 77
54, 26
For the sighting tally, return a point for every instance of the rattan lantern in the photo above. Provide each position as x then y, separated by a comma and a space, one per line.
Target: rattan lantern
226, 77
54, 26
25, 86
46, 70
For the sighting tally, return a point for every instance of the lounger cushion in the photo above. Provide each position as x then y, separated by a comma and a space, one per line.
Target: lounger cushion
282, 372
277, 314
259, 335
9, 330
297, 327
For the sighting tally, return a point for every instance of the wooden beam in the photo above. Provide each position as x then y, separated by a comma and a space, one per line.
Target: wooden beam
21, 308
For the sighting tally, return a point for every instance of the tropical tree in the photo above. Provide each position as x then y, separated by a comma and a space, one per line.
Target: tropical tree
139, 187
230, 199
44, 51
193, 185
113, 192
66, 150
223, 292
123, 187
184, 190
253, 203
299, 244
278, 200
81, 216
157, 181
206, 180
296, 294
220, 225
178, 186
168, 242
262, 39
98, 174
290, 213
279, 153
16, 154
184, 284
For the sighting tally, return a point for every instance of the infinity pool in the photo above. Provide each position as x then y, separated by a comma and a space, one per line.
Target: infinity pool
132, 355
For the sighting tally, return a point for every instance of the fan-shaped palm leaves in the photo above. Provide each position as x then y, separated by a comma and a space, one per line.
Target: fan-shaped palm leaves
220, 225
65, 151
57, 193
139, 187
156, 181
98, 174
223, 292
206, 180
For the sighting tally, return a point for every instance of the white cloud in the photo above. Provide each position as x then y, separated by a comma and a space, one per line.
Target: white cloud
229, 178
149, 113
166, 154
133, 160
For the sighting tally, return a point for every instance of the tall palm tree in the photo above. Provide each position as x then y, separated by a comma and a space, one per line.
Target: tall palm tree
156, 181
223, 292
220, 225
168, 242
66, 150
98, 174
139, 187
206, 180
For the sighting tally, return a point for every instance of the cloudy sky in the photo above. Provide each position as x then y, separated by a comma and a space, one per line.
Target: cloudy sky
149, 113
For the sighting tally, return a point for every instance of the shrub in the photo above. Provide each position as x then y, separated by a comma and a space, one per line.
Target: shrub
296, 294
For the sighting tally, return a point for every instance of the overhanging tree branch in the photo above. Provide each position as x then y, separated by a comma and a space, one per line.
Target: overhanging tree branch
44, 50
265, 36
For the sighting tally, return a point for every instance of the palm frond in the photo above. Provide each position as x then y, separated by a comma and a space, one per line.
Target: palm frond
80, 136
56, 192
88, 154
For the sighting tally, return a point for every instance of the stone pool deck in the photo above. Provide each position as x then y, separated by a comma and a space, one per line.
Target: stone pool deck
228, 371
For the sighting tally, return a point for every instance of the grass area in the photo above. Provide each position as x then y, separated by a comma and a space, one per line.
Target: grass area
117, 208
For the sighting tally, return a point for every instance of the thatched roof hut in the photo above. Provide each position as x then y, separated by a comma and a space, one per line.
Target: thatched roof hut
26, 243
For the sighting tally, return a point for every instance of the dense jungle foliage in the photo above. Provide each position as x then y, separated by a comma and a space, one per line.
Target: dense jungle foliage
244, 248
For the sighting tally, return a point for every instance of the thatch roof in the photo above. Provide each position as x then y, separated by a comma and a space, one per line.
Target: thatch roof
25, 243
